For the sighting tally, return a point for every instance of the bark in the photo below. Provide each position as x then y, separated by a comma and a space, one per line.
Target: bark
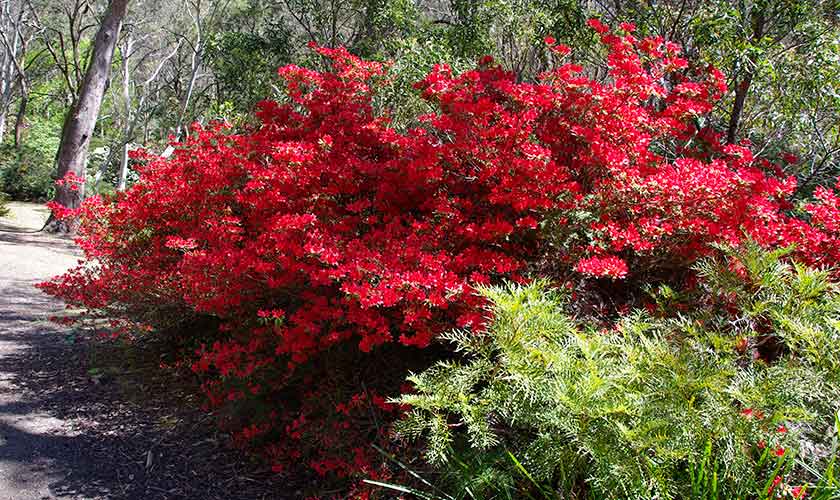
8, 61
21, 114
81, 120
185, 106
121, 184
127, 124
738, 108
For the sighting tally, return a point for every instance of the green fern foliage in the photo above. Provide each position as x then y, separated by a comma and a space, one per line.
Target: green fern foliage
734, 397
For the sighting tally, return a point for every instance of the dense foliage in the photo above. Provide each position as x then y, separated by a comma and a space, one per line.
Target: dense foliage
181, 61
4, 209
717, 402
292, 253
27, 172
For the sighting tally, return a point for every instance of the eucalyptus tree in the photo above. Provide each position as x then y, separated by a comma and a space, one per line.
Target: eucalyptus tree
82, 116
15, 36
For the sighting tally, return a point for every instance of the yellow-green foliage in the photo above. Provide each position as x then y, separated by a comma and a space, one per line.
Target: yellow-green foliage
679, 406
4, 210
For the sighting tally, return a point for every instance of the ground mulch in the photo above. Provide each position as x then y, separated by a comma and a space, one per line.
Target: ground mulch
85, 418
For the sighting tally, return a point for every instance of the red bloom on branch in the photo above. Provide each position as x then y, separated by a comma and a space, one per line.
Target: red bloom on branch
561, 50
603, 267
359, 235
752, 413
627, 27
598, 26
776, 481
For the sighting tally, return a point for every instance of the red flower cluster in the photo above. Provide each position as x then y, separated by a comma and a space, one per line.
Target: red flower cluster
325, 227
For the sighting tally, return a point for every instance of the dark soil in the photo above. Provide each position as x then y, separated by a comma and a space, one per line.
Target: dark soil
87, 419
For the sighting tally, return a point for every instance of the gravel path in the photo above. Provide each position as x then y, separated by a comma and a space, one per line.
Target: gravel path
73, 424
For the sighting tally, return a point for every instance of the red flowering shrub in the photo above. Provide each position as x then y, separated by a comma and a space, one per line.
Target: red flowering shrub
324, 228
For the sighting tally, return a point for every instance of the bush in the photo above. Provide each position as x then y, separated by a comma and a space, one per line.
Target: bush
27, 174
4, 210
744, 385
289, 255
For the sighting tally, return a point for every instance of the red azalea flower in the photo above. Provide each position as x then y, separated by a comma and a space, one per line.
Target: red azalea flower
598, 25
776, 481
562, 50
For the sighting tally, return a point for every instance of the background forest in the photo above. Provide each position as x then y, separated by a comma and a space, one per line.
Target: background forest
180, 61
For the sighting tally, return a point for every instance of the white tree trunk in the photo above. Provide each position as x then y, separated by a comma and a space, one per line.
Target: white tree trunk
9, 31
195, 66
123, 168
127, 123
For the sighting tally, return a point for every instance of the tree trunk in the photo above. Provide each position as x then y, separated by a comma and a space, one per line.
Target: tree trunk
185, 106
121, 184
127, 123
14, 46
6, 70
743, 87
21, 114
195, 66
738, 108
81, 120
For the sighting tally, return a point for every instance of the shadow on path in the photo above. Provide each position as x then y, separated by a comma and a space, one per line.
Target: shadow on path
76, 421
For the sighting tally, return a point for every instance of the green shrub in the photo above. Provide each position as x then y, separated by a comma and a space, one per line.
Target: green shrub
4, 210
27, 174
713, 402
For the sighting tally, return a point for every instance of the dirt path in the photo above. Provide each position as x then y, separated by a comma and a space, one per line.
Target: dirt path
67, 428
